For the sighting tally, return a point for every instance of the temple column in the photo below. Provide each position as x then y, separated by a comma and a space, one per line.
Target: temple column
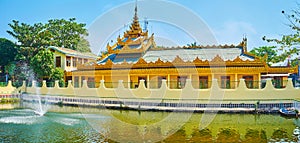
102, 78
128, 81
168, 80
259, 81
79, 81
148, 81
73, 81
71, 62
236, 80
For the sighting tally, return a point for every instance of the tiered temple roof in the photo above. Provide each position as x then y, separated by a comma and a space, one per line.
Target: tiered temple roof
136, 50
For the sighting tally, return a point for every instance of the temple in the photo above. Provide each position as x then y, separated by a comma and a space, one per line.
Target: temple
135, 56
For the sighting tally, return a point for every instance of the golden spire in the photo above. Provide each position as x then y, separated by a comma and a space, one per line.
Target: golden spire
135, 28
135, 11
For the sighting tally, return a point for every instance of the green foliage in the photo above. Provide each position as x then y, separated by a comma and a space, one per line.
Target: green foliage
192, 45
26, 53
10, 68
42, 63
270, 51
8, 51
58, 74
56, 32
83, 46
289, 43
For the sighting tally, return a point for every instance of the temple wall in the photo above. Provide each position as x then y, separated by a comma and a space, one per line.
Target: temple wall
188, 92
9, 89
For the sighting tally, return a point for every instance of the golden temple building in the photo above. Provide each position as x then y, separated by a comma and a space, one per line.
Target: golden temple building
136, 57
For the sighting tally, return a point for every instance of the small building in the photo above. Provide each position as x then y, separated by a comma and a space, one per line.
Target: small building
136, 57
69, 59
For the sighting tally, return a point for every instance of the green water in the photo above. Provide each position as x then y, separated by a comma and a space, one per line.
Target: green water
80, 124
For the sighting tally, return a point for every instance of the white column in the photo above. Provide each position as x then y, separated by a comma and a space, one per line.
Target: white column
71, 66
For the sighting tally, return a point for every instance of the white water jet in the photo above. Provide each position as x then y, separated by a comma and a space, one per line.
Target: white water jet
40, 110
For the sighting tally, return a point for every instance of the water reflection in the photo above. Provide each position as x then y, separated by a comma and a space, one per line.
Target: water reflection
75, 124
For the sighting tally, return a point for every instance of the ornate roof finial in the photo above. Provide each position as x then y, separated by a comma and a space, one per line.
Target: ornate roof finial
135, 6
135, 12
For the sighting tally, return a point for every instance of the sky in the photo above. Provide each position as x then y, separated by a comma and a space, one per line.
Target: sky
228, 21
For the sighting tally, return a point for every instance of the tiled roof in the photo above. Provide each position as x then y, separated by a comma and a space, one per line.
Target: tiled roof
191, 54
168, 55
70, 52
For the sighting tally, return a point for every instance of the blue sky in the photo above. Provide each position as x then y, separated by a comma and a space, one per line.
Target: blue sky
228, 20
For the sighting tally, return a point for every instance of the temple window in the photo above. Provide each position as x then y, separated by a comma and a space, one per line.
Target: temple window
159, 80
225, 82
277, 82
58, 61
79, 61
248, 81
142, 78
68, 61
203, 82
91, 82
85, 60
76, 81
181, 81
74, 61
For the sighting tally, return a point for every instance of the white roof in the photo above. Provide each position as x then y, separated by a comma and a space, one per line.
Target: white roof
191, 54
280, 64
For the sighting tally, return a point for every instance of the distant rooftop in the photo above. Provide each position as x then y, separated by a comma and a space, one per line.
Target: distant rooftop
70, 52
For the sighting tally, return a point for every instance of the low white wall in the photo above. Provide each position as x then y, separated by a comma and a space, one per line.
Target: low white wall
9, 89
188, 92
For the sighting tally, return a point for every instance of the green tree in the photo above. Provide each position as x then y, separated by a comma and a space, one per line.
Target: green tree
83, 46
270, 51
289, 43
58, 74
56, 32
43, 64
8, 52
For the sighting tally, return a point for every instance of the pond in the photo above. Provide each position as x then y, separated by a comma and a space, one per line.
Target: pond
83, 124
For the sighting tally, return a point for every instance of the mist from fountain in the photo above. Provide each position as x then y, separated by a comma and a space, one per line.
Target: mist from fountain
39, 108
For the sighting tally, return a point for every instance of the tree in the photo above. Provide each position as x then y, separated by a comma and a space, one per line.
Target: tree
83, 46
289, 43
8, 52
43, 64
56, 32
270, 51
58, 74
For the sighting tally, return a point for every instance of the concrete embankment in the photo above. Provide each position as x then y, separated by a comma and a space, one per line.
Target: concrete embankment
268, 106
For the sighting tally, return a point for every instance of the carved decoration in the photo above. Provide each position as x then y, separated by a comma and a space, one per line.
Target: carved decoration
237, 59
177, 60
141, 61
217, 59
